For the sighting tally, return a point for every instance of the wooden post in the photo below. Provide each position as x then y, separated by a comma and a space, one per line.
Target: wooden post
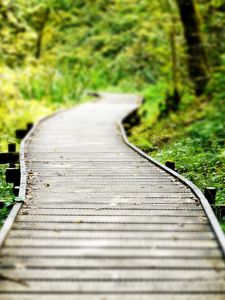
170, 164
16, 190
21, 133
29, 126
12, 147
9, 158
13, 175
210, 194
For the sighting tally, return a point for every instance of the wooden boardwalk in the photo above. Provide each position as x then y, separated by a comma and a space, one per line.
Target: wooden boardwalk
102, 222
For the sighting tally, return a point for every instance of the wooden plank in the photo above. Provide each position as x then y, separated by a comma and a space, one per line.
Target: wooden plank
116, 287
121, 296
120, 219
160, 235
94, 242
127, 263
94, 177
115, 206
114, 275
113, 212
181, 227
104, 180
110, 252
110, 188
70, 172
99, 199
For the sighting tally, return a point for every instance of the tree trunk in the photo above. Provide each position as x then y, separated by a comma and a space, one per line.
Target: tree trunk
176, 94
40, 33
172, 101
197, 59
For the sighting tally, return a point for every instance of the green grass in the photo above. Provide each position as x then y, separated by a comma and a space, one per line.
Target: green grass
6, 194
193, 138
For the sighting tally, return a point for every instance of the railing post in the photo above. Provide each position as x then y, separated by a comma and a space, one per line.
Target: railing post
29, 126
210, 194
12, 147
12, 173
170, 164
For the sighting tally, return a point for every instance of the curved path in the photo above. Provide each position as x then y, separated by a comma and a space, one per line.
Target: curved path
102, 222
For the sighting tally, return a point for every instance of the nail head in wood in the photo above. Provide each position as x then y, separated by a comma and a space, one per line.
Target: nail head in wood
210, 194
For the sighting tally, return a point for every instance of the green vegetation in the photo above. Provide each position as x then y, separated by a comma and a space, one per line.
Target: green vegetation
7, 195
53, 51
193, 134
193, 138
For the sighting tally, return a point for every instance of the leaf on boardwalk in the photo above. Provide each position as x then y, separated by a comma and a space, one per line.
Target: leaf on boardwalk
60, 174
15, 280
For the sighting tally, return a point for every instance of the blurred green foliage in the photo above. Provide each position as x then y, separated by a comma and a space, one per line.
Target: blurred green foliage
81, 45
85, 45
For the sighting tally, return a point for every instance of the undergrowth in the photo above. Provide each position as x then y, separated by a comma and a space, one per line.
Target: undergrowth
193, 137
6, 194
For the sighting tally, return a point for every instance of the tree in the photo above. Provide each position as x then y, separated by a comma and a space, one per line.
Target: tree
197, 59
174, 101
41, 31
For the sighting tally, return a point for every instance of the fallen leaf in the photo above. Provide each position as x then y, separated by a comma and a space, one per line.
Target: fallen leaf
16, 280
78, 221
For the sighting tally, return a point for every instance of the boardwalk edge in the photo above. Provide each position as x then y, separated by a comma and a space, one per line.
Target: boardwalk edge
205, 204
23, 180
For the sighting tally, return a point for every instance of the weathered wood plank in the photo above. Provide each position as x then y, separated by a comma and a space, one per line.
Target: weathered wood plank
151, 235
116, 219
128, 263
115, 287
106, 296
114, 275
112, 227
114, 212
89, 242
114, 206
116, 200
111, 252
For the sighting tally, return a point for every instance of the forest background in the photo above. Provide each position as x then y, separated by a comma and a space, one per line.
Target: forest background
172, 52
